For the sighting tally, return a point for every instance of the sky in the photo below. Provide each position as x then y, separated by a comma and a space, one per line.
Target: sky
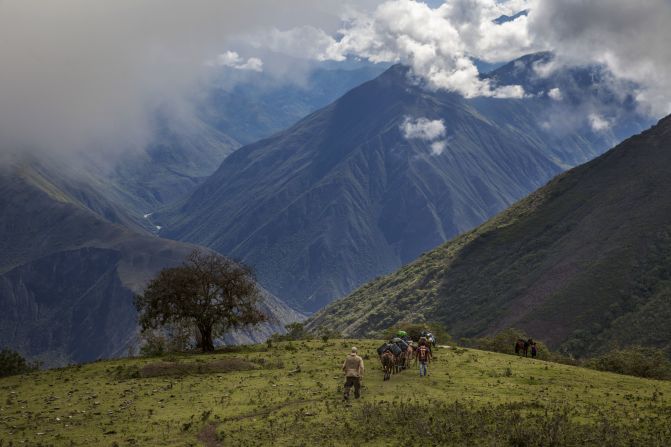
89, 75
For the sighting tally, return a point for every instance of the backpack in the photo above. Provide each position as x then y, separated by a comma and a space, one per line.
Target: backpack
422, 353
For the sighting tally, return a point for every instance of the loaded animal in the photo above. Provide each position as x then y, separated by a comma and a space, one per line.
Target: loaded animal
388, 363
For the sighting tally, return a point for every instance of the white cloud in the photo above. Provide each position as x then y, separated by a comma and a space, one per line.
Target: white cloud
234, 60
438, 44
432, 131
437, 147
555, 93
630, 38
598, 123
89, 75
423, 129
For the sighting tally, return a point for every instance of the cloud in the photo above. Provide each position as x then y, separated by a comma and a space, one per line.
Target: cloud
87, 76
630, 38
439, 44
437, 147
555, 93
234, 60
424, 129
598, 123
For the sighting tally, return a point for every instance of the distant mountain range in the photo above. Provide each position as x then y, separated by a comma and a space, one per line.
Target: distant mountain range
584, 263
77, 240
185, 151
68, 274
345, 195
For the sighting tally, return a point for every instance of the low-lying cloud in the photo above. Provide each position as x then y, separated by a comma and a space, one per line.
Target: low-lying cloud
630, 38
431, 131
233, 60
89, 75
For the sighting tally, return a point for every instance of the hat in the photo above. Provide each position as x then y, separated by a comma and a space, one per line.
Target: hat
354, 349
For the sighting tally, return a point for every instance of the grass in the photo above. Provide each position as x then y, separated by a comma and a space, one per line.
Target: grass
290, 394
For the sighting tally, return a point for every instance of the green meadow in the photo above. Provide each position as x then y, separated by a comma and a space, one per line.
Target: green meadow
290, 393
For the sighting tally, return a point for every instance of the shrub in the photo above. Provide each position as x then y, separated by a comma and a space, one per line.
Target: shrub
12, 363
172, 338
637, 361
295, 331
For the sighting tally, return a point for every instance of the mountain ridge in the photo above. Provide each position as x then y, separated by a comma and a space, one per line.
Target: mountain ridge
68, 276
343, 196
581, 263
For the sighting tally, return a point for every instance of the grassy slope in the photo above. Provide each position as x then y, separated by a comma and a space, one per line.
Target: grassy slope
88, 405
582, 263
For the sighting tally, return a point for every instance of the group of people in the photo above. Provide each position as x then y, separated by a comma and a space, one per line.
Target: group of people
399, 351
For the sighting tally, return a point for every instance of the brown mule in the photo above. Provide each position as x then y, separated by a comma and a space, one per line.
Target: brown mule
388, 363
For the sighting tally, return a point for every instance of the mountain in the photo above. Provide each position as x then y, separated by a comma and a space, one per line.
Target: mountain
181, 154
76, 238
184, 151
258, 105
68, 275
584, 263
343, 196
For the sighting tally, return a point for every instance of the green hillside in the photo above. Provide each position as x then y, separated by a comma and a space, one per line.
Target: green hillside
259, 396
583, 263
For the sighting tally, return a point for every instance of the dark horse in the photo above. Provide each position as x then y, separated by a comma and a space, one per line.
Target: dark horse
522, 346
388, 364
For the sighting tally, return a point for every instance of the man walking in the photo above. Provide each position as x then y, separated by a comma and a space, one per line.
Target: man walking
423, 356
353, 368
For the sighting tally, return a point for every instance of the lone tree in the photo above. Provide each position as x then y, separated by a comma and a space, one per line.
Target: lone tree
209, 292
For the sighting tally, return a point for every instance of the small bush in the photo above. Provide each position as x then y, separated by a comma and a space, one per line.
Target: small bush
295, 331
12, 363
637, 361
156, 343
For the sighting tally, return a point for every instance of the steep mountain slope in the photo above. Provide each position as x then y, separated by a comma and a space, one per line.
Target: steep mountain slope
343, 196
184, 152
179, 158
583, 263
259, 106
67, 276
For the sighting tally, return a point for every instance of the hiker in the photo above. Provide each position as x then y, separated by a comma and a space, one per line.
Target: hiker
353, 368
423, 356
534, 351
425, 341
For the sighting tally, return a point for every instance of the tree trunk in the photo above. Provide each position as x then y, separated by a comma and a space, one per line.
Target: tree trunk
206, 342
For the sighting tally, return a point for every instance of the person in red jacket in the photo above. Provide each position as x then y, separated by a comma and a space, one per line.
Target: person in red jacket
423, 357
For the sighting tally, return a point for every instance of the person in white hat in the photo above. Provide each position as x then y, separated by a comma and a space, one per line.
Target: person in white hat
353, 368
